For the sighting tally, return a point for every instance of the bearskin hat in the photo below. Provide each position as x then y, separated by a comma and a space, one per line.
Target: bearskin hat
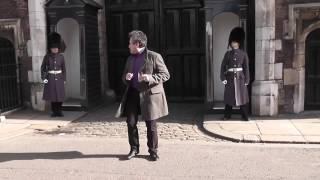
237, 35
55, 41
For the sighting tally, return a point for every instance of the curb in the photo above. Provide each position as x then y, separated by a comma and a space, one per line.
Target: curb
217, 132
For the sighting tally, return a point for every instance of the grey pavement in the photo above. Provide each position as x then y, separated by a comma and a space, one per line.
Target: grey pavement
28, 121
186, 122
60, 157
301, 128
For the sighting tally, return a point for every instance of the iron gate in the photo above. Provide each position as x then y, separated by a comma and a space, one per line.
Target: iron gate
9, 89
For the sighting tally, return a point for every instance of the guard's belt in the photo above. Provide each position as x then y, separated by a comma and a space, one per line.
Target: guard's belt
55, 72
235, 69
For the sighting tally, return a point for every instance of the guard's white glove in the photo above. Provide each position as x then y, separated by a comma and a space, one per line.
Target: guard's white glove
45, 81
224, 82
129, 76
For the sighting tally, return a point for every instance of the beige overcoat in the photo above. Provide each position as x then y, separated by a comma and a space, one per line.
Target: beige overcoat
153, 102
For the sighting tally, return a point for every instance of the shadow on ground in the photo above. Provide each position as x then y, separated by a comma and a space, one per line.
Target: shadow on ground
5, 157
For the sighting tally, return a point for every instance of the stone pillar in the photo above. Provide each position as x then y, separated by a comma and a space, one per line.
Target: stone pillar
108, 93
37, 47
265, 88
209, 85
299, 68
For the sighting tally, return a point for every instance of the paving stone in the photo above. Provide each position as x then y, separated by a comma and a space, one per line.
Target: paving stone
277, 128
312, 139
308, 129
179, 125
280, 138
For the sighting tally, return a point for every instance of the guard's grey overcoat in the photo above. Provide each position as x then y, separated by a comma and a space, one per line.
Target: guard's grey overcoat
153, 103
53, 90
236, 91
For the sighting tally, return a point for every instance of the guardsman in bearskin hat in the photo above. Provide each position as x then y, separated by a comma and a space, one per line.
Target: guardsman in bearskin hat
235, 75
53, 74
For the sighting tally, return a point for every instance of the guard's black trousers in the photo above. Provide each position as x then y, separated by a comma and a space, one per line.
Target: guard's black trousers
244, 111
56, 107
132, 111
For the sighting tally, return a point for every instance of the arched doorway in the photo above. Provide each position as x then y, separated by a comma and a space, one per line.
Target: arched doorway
312, 76
69, 30
9, 91
223, 24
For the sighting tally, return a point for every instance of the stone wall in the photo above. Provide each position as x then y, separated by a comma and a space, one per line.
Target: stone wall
291, 89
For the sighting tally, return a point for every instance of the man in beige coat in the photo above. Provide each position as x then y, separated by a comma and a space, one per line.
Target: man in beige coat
144, 74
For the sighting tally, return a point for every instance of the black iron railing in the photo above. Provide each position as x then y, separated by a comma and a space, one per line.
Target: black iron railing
9, 88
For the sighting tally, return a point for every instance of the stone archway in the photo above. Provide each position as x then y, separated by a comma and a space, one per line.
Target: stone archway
312, 75
299, 66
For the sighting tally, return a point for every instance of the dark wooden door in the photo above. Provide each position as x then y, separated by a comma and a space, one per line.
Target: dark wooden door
175, 29
9, 89
312, 89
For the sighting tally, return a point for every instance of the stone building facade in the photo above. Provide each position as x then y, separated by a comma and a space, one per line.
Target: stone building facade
282, 28
295, 20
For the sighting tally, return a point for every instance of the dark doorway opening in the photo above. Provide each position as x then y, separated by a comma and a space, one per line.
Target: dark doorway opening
312, 76
9, 84
175, 29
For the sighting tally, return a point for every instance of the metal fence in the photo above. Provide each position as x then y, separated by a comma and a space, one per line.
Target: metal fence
9, 88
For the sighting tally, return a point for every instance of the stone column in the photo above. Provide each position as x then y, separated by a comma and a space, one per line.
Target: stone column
37, 49
265, 88
108, 93
209, 93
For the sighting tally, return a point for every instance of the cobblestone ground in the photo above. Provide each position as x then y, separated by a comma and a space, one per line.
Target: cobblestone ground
179, 125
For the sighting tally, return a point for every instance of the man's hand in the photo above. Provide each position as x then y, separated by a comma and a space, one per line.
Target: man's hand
224, 82
143, 77
45, 81
129, 76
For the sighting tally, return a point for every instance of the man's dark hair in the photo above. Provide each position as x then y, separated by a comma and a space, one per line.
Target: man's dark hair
140, 37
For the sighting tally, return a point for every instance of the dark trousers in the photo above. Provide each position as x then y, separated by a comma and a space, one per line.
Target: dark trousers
56, 107
243, 108
132, 111
152, 135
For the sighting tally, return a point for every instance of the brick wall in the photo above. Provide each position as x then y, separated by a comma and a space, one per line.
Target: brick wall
18, 9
